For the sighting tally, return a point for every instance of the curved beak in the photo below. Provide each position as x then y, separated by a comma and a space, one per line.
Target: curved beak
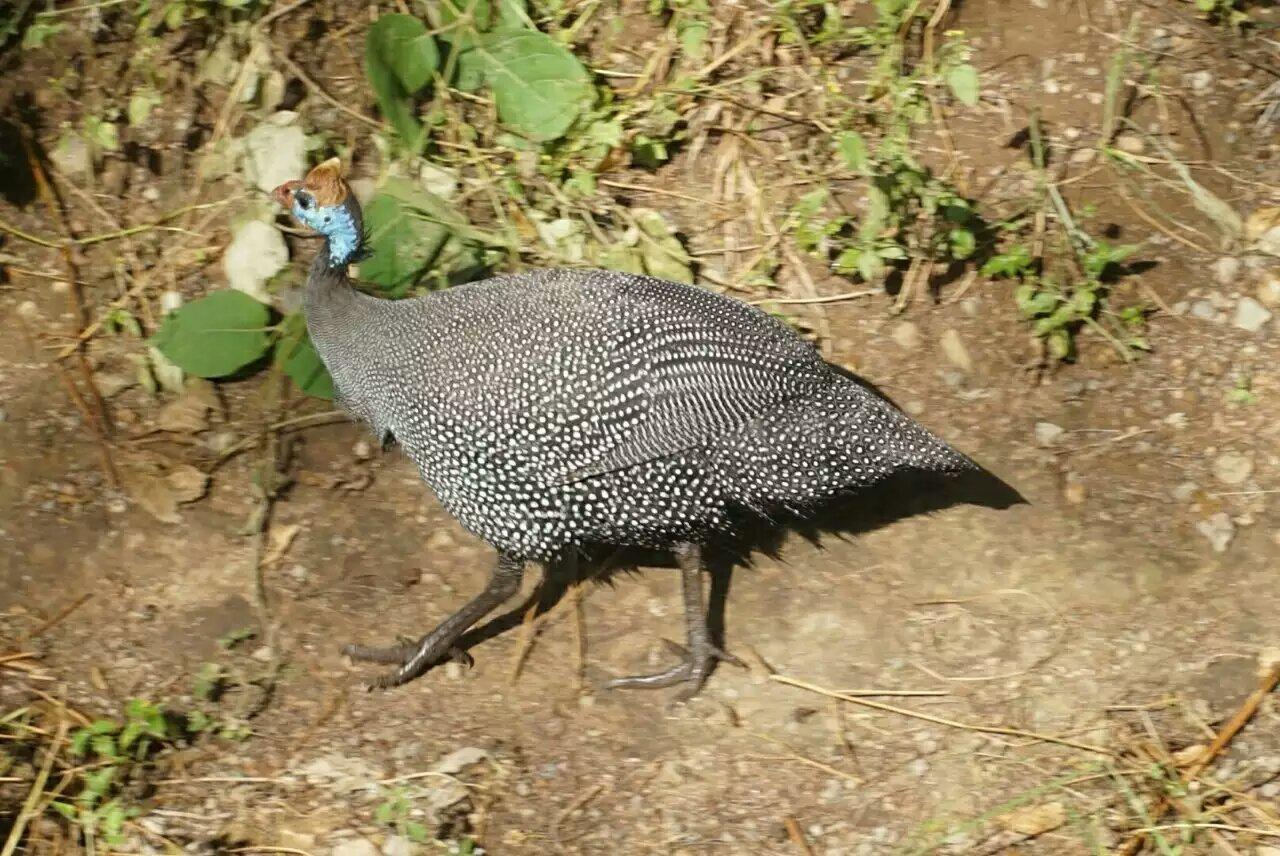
284, 193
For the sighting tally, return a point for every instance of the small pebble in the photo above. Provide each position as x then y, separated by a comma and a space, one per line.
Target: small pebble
1226, 270
1047, 434
1130, 143
1251, 315
956, 353
1219, 530
907, 335
1204, 310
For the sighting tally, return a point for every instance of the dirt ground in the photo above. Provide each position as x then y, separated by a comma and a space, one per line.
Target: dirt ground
1128, 605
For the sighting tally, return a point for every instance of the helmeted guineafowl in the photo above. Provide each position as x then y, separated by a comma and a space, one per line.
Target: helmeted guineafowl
560, 407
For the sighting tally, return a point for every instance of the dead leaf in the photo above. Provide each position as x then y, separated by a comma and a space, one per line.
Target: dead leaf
187, 482
190, 412
154, 494
278, 544
1033, 820
1261, 221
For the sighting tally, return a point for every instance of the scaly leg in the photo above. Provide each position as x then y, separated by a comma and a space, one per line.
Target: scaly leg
416, 658
700, 657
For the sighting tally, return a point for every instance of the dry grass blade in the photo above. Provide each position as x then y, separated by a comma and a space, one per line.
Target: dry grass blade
30, 808
938, 720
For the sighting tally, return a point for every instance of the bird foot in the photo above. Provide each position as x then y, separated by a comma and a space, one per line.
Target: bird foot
692, 672
412, 657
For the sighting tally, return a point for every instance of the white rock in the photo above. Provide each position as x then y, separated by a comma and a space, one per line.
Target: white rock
1232, 468
956, 353
275, 151
1226, 270
170, 301
1219, 530
907, 335
1203, 309
354, 847
1200, 80
257, 252
1048, 434
1251, 315
398, 845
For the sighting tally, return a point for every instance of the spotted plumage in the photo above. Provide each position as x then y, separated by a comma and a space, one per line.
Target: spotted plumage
558, 407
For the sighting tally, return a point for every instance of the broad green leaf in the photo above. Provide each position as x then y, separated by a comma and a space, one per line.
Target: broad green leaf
215, 335
963, 80
408, 226
539, 86
485, 15
853, 149
963, 243
298, 357
400, 57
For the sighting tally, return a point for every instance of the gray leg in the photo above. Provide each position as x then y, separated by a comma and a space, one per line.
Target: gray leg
701, 654
416, 658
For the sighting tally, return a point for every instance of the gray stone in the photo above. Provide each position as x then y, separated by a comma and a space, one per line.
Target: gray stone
1251, 315
1204, 310
71, 155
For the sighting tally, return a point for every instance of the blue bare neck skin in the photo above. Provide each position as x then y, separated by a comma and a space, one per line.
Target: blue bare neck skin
339, 227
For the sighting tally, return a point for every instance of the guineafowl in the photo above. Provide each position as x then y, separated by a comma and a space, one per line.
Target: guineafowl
560, 407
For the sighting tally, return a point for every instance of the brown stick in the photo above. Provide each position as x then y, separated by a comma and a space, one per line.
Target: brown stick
97, 416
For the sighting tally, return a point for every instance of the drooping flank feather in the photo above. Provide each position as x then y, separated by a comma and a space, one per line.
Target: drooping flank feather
326, 184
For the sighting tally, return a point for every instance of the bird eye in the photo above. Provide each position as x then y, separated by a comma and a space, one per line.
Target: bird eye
303, 199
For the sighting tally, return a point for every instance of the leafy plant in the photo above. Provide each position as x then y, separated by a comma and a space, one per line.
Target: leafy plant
396, 810
225, 331
1059, 307
399, 60
1229, 12
539, 86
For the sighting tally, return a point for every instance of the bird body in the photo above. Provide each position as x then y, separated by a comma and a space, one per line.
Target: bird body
563, 406
559, 407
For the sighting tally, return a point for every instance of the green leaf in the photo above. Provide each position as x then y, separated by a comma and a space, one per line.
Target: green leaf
963, 80
963, 243
141, 103
408, 226
39, 32
1059, 344
215, 335
400, 57
853, 148
539, 86
298, 357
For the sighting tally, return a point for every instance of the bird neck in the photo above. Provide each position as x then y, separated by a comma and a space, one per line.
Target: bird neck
328, 286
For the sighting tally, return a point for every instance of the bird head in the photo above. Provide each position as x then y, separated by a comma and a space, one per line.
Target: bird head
325, 202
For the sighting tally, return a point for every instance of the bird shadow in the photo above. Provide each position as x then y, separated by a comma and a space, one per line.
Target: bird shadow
905, 493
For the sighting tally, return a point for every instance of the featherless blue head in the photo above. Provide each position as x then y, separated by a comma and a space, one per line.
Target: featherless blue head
323, 202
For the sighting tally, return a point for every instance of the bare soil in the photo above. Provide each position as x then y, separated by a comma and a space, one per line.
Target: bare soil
1097, 611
